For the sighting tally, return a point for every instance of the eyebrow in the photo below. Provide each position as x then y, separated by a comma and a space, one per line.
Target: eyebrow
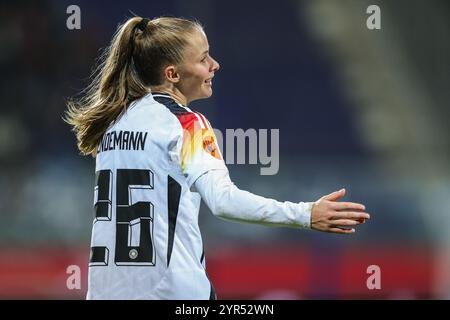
206, 51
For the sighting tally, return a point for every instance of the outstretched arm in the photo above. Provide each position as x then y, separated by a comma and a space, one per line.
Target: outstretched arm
227, 201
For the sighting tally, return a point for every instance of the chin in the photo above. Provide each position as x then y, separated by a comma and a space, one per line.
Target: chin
206, 93
203, 93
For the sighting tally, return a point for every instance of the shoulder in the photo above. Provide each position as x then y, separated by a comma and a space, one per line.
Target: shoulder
155, 116
187, 117
162, 111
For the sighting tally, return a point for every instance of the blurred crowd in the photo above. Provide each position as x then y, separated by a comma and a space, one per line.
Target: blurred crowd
276, 72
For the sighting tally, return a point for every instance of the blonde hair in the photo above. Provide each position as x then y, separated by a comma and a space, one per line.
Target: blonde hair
134, 61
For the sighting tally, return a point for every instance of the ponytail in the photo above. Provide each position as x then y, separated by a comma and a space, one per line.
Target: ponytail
131, 64
114, 86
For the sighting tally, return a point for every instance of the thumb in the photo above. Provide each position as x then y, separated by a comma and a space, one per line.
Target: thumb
335, 195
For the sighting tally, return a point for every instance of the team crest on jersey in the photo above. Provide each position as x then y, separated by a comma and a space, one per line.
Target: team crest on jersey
210, 146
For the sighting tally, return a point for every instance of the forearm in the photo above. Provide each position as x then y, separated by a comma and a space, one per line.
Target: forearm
227, 201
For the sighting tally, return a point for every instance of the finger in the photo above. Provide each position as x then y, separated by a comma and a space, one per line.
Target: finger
361, 220
344, 222
341, 231
354, 215
354, 210
347, 206
335, 195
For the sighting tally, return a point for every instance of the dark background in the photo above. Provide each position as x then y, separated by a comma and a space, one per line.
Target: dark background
356, 108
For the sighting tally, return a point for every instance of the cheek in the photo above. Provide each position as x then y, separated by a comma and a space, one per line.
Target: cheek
198, 78
189, 75
195, 77
202, 73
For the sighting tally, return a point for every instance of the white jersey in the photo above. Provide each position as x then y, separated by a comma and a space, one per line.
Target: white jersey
146, 243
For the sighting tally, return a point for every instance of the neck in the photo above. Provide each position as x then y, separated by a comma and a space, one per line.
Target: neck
173, 92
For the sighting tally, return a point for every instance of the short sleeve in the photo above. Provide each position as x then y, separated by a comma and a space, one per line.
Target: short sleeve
199, 150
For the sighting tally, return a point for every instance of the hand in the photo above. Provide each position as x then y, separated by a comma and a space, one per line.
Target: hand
328, 215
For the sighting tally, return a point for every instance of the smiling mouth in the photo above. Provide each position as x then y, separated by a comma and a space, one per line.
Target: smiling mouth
208, 81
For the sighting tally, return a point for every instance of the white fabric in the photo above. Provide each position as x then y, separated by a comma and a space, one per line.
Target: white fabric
185, 277
226, 201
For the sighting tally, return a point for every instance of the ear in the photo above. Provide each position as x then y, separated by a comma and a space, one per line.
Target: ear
171, 74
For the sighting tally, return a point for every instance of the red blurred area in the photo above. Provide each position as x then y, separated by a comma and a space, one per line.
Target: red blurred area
244, 273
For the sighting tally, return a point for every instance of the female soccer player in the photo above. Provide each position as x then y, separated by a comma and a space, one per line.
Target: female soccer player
156, 159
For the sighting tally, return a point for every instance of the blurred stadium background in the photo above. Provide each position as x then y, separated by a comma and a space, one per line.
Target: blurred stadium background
363, 109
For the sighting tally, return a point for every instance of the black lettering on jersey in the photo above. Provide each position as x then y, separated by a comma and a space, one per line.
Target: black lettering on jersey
123, 140
117, 138
126, 134
141, 140
111, 142
132, 143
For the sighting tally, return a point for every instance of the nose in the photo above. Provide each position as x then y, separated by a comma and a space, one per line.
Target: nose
215, 65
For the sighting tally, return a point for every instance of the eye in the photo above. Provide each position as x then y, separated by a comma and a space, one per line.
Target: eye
203, 59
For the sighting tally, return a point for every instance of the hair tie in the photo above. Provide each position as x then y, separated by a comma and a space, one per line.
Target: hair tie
143, 24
